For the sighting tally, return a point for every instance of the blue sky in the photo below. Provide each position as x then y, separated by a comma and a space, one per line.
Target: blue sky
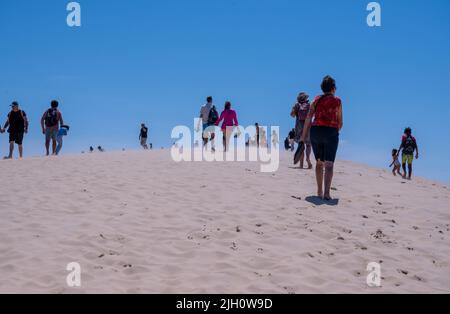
156, 61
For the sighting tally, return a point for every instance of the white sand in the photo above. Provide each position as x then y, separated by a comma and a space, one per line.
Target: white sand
176, 226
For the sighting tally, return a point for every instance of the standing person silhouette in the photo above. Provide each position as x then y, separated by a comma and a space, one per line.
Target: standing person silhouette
50, 122
326, 110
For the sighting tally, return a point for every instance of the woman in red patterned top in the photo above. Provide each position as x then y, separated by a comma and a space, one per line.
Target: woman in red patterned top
324, 121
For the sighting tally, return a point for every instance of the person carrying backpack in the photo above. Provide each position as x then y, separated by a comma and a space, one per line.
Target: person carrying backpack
17, 124
408, 147
209, 117
51, 121
300, 112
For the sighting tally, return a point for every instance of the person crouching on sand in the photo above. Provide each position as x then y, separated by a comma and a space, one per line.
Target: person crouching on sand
229, 118
18, 126
326, 110
59, 138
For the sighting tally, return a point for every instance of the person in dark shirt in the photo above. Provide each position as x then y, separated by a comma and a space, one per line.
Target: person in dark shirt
17, 124
143, 136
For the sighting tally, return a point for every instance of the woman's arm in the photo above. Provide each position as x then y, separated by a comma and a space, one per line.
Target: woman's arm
236, 123
294, 112
222, 116
340, 118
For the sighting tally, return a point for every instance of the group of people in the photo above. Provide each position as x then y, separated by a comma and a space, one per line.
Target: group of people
408, 147
210, 117
317, 129
52, 125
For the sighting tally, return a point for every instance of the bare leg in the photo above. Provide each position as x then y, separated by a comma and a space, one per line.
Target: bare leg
410, 171
404, 171
54, 147
308, 155
47, 146
11, 150
329, 166
20, 151
319, 178
302, 158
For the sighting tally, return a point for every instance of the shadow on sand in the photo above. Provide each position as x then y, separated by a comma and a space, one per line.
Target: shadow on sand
319, 202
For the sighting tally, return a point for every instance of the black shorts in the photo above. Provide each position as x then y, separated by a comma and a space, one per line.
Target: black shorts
16, 137
325, 142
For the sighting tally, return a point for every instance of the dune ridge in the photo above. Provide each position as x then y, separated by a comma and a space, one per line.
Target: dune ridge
137, 222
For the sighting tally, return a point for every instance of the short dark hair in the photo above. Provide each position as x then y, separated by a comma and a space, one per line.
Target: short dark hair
54, 104
408, 131
328, 84
209, 99
14, 104
227, 105
394, 152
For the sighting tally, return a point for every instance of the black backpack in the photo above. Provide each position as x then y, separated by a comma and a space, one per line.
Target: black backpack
409, 145
213, 116
51, 118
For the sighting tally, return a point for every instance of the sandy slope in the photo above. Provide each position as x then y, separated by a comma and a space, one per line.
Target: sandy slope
137, 222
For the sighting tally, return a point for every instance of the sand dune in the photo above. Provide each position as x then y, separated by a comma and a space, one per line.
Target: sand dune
137, 222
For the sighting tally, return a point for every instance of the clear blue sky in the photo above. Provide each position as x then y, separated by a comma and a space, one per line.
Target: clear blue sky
156, 61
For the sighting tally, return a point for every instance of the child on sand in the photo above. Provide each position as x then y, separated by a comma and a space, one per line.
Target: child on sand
395, 163
59, 138
408, 147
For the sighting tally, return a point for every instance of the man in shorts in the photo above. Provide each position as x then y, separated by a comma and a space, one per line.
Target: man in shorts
17, 124
51, 121
408, 147
205, 118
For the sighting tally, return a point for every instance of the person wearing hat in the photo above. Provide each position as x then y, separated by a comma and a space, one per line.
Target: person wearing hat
17, 124
300, 112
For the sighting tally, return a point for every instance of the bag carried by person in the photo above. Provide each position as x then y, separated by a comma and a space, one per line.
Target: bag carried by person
213, 116
51, 118
409, 145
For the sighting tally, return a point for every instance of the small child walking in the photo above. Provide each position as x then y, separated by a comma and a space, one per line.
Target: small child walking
59, 138
396, 163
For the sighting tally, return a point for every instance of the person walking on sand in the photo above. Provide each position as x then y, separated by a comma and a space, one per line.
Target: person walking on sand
17, 124
229, 118
50, 122
275, 139
258, 134
300, 112
143, 136
408, 147
326, 110
208, 117
59, 139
